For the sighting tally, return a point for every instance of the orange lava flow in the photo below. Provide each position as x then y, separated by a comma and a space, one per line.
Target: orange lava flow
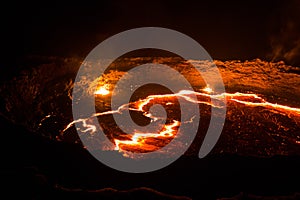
139, 140
145, 141
259, 101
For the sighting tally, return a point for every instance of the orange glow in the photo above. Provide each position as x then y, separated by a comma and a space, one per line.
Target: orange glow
148, 141
207, 89
255, 100
103, 90
140, 139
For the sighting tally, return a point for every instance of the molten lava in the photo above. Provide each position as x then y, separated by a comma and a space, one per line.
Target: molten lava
262, 105
103, 90
143, 142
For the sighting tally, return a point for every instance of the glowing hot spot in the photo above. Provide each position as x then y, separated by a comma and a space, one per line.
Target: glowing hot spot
140, 139
103, 90
207, 89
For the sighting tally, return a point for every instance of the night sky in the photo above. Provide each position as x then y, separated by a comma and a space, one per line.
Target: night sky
230, 29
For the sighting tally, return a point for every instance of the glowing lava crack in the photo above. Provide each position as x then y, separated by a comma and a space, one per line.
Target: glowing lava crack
147, 141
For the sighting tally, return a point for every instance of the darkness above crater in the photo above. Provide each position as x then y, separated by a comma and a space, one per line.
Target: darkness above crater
227, 30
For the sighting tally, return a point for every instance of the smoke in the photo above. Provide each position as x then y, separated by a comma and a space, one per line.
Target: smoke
285, 43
